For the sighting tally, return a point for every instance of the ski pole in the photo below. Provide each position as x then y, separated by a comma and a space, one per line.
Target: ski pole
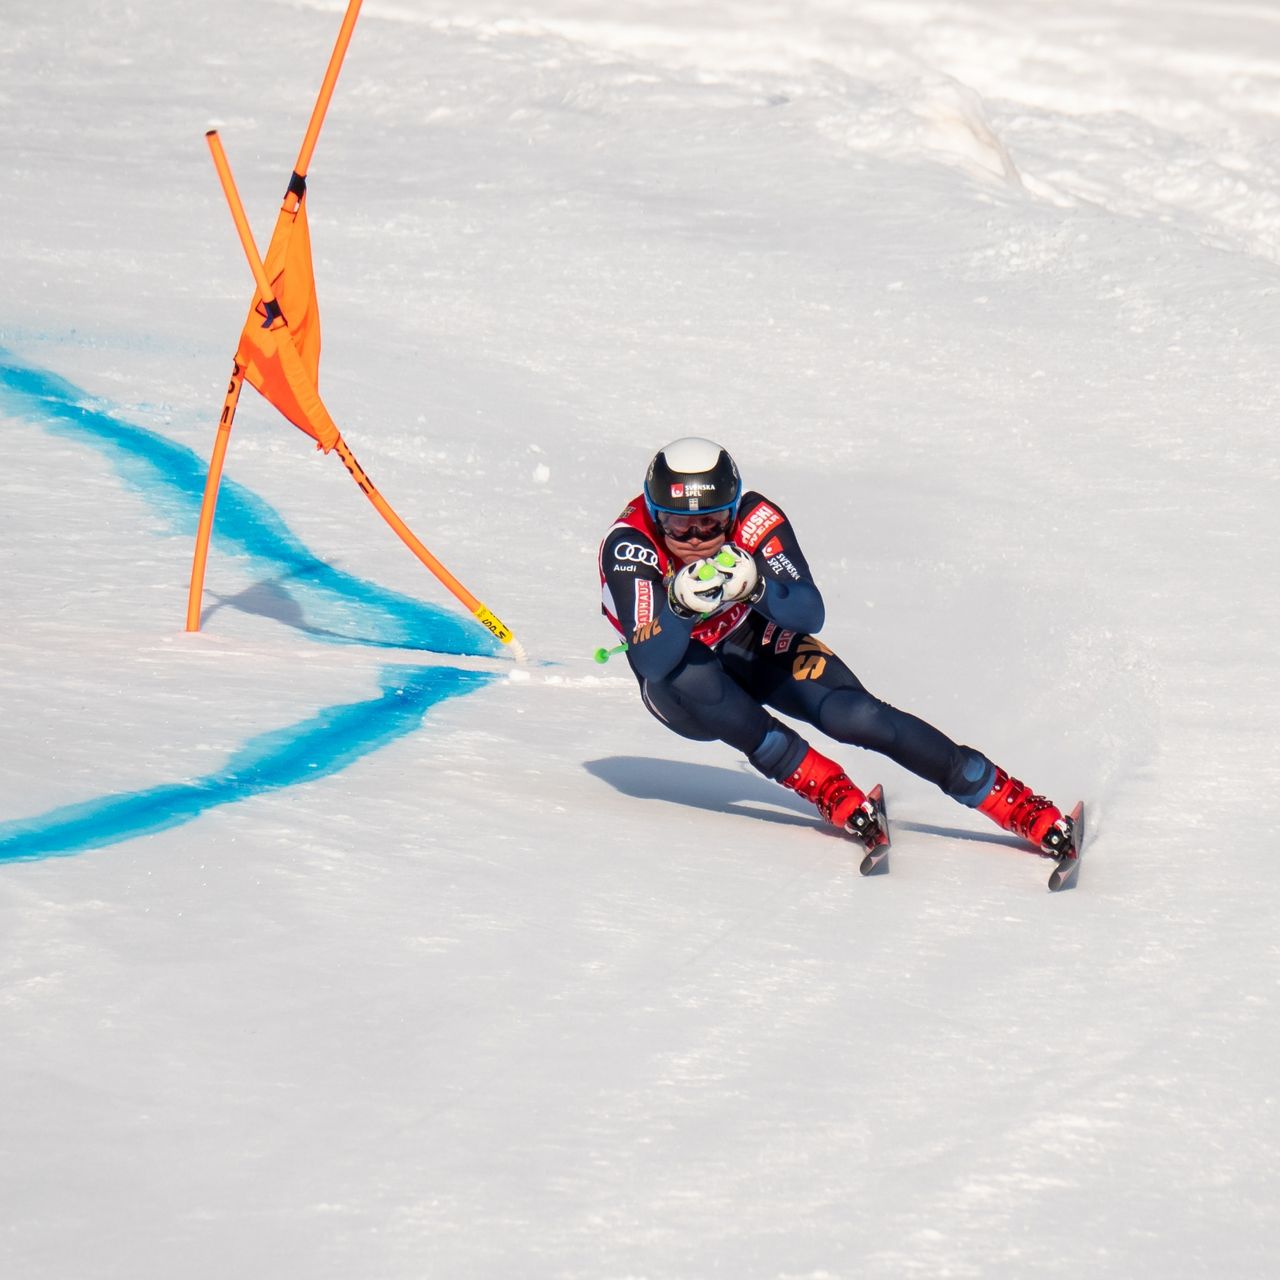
603, 655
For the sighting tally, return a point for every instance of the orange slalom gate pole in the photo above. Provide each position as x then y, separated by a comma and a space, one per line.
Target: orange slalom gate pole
292, 199
205, 529
326, 88
298, 179
242, 226
486, 618
213, 480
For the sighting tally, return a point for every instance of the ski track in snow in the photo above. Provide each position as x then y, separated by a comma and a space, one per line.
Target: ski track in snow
170, 477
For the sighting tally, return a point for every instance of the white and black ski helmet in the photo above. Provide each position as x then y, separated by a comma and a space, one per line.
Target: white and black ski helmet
692, 475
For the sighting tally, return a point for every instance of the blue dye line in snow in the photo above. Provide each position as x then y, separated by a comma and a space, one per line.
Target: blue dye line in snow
329, 741
301, 591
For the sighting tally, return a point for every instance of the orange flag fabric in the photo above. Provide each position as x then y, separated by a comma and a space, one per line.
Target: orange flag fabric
280, 355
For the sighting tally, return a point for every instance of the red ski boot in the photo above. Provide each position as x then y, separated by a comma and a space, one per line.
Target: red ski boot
841, 803
1012, 805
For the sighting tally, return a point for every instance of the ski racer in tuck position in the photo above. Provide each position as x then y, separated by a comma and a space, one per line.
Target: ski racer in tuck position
711, 591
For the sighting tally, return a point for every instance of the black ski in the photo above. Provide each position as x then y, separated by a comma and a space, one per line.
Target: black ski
876, 862
1068, 868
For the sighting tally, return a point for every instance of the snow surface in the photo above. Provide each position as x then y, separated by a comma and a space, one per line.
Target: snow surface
333, 945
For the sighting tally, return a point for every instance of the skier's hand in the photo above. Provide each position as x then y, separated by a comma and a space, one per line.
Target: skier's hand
697, 590
739, 572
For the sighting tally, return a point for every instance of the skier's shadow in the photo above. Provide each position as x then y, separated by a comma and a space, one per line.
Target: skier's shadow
716, 790
701, 786
955, 833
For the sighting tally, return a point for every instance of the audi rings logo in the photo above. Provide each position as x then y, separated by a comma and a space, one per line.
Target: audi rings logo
634, 551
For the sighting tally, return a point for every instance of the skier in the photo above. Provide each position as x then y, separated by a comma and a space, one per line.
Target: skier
710, 590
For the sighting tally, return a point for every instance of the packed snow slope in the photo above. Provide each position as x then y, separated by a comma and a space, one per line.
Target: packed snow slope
334, 944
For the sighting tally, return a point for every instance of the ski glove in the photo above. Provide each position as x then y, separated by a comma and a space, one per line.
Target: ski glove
697, 590
739, 573
728, 577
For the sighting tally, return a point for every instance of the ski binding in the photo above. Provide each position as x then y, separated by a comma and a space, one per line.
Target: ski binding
874, 835
1068, 864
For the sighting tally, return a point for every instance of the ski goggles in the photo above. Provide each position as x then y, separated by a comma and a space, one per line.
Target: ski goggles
703, 526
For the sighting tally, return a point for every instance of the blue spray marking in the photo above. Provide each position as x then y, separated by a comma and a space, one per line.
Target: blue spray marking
301, 590
327, 742
320, 600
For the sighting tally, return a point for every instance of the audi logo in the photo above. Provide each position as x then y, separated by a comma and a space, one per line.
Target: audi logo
634, 551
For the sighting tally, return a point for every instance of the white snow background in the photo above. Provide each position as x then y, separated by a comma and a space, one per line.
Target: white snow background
333, 946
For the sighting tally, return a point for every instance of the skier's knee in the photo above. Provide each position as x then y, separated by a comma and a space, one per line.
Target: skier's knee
663, 705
